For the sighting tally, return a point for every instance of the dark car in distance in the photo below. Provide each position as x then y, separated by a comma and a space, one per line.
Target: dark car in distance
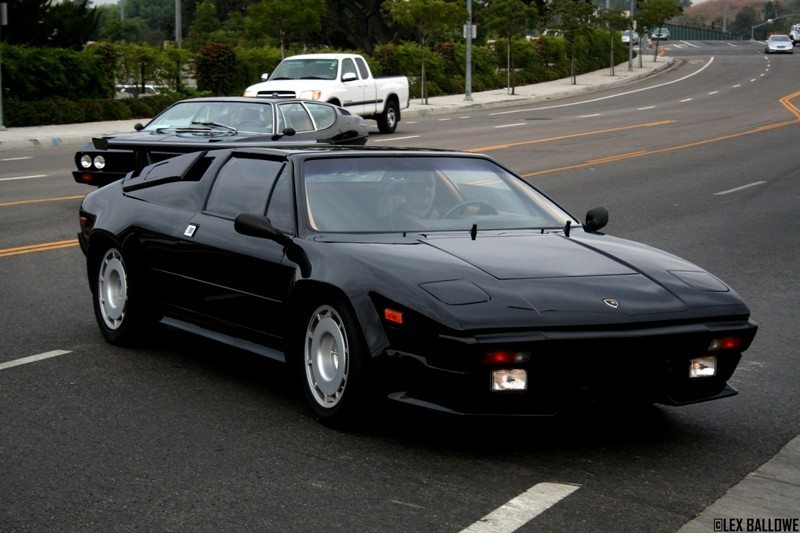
433, 278
210, 121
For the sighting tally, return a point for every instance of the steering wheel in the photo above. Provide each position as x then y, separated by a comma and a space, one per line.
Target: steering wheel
251, 124
483, 208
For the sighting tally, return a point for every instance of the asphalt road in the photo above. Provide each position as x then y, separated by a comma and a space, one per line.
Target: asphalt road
181, 433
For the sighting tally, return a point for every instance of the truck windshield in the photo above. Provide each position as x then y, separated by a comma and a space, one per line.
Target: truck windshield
306, 69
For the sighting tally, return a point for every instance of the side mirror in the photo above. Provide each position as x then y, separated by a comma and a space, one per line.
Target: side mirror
596, 219
349, 76
138, 126
259, 226
288, 131
265, 76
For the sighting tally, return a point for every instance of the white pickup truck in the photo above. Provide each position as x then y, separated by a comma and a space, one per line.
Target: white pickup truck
342, 79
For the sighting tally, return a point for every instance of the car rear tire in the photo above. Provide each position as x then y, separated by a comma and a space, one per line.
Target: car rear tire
119, 305
334, 364
387, 121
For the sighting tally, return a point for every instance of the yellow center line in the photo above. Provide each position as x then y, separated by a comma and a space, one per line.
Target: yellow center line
643, 153
31, 248
568, 136
41, 200
785, 102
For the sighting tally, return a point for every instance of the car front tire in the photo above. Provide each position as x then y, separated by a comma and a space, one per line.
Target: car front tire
119, 306
334, 364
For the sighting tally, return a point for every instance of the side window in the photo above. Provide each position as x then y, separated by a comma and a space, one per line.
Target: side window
362, 68
242, 186
295, 116
324, 115
348, 66
281, 203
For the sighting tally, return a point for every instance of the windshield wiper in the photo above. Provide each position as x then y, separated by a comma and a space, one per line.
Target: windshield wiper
281, 78
313, 78
215, 125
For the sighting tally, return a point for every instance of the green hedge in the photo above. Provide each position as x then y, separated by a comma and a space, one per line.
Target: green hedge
54, 86
58, 110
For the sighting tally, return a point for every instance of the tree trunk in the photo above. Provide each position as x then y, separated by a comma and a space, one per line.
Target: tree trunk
422, 88
509, 89
572, 63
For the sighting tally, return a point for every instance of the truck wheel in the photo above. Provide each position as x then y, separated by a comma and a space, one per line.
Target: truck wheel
387, 121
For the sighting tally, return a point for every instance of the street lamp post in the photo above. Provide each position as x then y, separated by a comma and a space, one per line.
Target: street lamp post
468, 73
770, 21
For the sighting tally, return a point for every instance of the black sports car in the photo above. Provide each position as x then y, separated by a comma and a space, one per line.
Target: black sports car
195, 124
434, 278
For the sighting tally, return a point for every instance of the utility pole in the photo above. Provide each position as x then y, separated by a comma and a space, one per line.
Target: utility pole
632, 25
725, 17
468, 73
3, 22
178, 31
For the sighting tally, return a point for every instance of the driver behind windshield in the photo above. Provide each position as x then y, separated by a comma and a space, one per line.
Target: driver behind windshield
410, 198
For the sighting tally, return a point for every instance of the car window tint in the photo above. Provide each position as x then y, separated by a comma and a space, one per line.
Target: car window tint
281, 203
295, 116
242, 186
348, 66
362, 68
324, 116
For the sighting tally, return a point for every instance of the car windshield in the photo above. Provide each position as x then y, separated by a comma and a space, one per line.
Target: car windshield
253, 117
421, 194
781, 38
306, 69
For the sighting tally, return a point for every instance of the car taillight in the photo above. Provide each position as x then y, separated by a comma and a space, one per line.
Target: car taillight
725, 343
505, 357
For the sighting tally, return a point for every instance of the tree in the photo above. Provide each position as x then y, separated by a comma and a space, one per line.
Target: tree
205, 23
575, 19
68, 24
284, 20
614, 20
358, 24
745, 19
426, 18
510, 18
654, 13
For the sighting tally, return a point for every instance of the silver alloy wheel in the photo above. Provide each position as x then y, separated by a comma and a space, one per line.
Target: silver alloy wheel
391, 117
112, 289
326, 356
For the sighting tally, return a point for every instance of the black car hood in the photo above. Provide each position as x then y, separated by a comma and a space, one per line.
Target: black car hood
527, 279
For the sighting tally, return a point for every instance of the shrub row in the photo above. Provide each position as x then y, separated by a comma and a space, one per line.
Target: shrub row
54, 86
59, 110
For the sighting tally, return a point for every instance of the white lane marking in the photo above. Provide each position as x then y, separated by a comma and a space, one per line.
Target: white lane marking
590, 116
698, 71
737, 85
737, 189
690, 44
645, 108
510, 125
395, 138
762, 75
713, 92
731, 44
442, 119
522, 509
17, 158
24, 177
32, 358
411, 122
687, 100
753, 79
465, 117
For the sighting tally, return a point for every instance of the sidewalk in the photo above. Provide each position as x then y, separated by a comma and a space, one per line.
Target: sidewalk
77, 134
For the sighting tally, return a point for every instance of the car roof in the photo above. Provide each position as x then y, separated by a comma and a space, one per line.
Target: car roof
245, 99
329, 149
320, 56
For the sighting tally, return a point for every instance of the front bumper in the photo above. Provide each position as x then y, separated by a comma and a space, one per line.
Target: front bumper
568, 369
